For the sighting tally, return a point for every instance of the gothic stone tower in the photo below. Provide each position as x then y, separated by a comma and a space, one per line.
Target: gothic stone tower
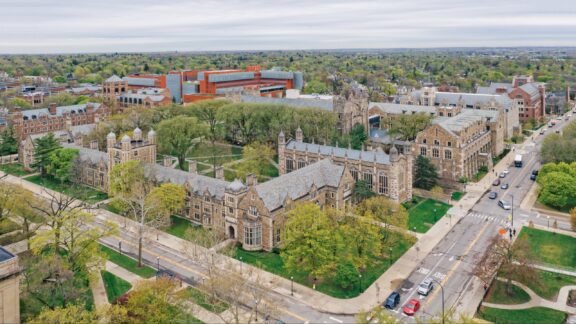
128, 149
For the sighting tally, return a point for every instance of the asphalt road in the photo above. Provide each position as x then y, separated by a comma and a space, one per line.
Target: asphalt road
453, 260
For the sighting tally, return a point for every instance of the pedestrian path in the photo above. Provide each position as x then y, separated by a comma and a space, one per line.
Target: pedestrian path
99, 293
537, 301
118, 271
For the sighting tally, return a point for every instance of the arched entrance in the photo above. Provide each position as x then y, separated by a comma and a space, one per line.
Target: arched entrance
231, 232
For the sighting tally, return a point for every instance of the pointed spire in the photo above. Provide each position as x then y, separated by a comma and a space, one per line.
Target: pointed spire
336, 143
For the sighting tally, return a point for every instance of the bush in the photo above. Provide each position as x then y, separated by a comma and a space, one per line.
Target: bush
346, 275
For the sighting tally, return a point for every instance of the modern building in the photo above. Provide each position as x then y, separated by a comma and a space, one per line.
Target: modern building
146, 97
9, 287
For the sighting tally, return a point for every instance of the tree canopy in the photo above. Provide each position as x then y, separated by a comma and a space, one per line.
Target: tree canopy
425, 175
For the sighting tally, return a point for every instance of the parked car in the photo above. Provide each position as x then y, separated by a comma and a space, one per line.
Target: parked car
543, 130
502, 175
392, 301
496, 182
533, 175
493, 195
411, 307
504, 186
506, 171
425, 287
504, 204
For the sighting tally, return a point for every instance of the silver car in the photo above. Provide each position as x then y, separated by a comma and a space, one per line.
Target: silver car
425, 287
504, 204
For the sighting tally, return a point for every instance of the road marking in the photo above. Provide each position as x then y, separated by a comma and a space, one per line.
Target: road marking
451, 258
423, 271
457, 263
335, 319
439, 275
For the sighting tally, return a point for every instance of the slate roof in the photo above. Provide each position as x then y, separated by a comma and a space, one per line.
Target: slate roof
298, 183
325, 150
463, 120
491, 89
86, 154
299, 102
199, 183
61, 110
531, 89
393, 108
452, 98
113, 78
382, 136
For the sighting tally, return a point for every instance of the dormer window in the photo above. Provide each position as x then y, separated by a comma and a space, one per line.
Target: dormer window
253, 211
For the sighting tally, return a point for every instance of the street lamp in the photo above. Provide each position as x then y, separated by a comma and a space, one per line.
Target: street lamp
360, 277
435, 217
120, 246
158, 262
390, 256
291, 285
256, 310
442, 290
240, 265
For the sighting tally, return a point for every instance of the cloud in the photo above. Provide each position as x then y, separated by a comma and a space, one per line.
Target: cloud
35, 26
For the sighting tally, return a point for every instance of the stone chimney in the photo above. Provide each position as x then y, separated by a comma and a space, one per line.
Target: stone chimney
52, 108
251, 180
219, 172
94, 145
192, 166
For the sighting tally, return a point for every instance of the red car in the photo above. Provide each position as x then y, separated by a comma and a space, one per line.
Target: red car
411, 307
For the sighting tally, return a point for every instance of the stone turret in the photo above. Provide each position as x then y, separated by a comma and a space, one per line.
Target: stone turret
111, 140
394, 157
137, 134
126, 143
299, 135
152, 137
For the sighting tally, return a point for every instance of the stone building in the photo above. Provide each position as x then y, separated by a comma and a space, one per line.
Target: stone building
54, 118
458, 146
251, 213
351, 108
388, 175
429, 96
148, 97
113, 87
9, 287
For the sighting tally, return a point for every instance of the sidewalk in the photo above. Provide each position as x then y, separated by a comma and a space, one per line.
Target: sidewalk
99, 293
118, 271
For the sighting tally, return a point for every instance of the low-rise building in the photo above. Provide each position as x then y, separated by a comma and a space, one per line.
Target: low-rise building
9, 287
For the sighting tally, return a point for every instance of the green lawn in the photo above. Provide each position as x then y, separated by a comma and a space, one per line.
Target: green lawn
15, 169
127, 263
180, 226
498, 295
272, 262
551, 248
12, 238
80, 192
549, 284
204, 152
115, 286
201, 299
457, 195
425, 214
536, 315
7, 226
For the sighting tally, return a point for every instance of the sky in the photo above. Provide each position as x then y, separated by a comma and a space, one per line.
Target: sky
74, 26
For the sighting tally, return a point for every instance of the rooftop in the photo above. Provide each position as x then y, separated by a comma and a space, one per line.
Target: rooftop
325, 150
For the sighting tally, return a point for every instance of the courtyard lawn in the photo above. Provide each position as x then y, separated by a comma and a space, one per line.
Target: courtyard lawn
115, 286
497, 294
204, 152
457, 195
536, 315
272, 262
81, 192
180, 226
549, 284
127, 263
551, 248
15, 169
201, 299
425, 214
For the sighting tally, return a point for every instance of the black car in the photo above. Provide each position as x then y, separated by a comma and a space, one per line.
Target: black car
392, 301
534, 175
493, 195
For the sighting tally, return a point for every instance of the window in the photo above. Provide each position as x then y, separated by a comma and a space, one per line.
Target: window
332, 195
230, 210
435, 153
449, 144
448, 155
289, 165
277, 237
354, 174
383, 184
197, 216
301, 164
368, 178
424, 141
449, 114
423, 151
436, 142
207, 198
253, 235
231, 199
253, 211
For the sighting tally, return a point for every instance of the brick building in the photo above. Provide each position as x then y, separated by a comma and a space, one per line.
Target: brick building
54, 118
9, 287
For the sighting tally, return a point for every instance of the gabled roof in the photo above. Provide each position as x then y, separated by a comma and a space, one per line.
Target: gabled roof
297, 184
398, 109
199, 183
327, 151
61, 110
113, 78
85, 154
463, 120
